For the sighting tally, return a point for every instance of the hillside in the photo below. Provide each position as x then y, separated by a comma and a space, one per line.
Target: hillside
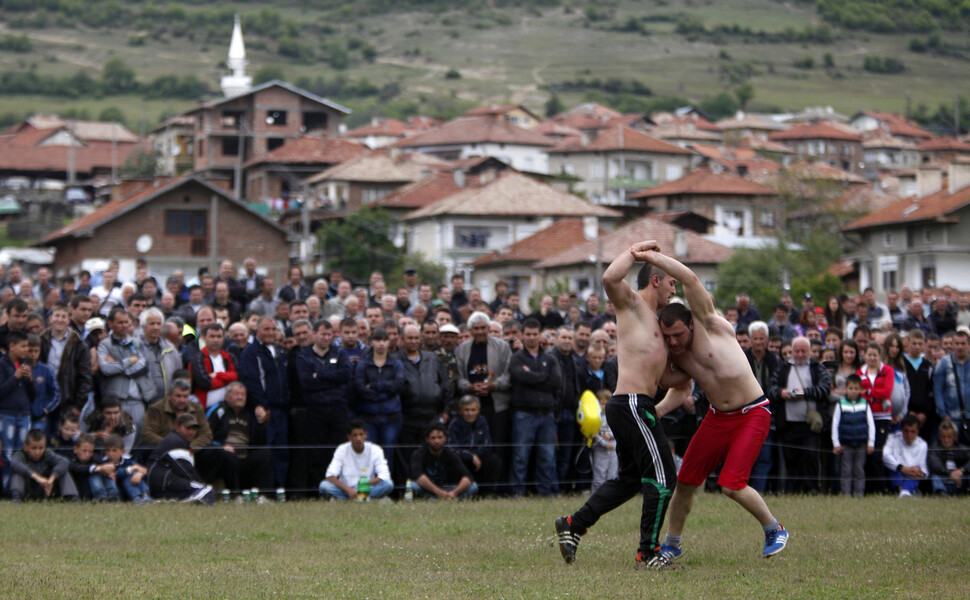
141, 61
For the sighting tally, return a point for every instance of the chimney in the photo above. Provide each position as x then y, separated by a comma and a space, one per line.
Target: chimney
586, 137
680, 244
459, 177
395, 154
929, 180
959, 176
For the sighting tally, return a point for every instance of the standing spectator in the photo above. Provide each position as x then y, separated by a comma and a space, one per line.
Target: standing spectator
212, 369
905, 457
808, 321
802, 386
878, 380
605, 463
483, 370
81, 309
295, 288
423, 398
163, 357
223, 299
853, 436
779, 324
592, 311
265, 303
17, 312
944, 321
917, 320
44, 408
324, 371
240, 432
125, 370
262, 369
747, 314
378, 384
572, 376
437, 471
335, 306
64, 351
536, 382
237, 291
892, 354
919, 373
951, 385
251, 282
352, 460
501, 295
764, 364
17, 392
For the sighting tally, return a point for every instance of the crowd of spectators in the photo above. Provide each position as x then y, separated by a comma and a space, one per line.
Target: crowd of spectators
162, 388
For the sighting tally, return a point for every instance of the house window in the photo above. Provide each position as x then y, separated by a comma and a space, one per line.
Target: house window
315, 120
371, 195
927, 236
276, 117
733, 221
274, 143
185, 222
674, 172
767, 218
568, 169
472, 237
929, 277
596, 170
889, 280
230, 146
231, 118
887, 240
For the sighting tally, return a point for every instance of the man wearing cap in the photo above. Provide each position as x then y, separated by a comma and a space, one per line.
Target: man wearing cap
171, 466
125, 370
447, 342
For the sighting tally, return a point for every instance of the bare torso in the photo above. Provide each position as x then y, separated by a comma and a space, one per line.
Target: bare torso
717, 364
641, 352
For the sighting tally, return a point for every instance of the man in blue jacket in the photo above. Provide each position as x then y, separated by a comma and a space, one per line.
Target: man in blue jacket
951, 384
262, 369
324, 371
17, 392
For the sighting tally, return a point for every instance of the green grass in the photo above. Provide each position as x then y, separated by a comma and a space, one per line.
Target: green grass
877, 548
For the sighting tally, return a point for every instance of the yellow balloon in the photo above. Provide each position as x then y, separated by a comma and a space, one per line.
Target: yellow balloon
588, 416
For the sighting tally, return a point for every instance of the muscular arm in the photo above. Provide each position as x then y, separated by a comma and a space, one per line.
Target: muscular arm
675, 398
701, 305
614, 280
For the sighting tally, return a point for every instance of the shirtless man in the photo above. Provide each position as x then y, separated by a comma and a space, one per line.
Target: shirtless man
645, 461
703, 346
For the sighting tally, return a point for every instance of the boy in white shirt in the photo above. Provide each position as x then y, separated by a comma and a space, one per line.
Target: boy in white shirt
352, 460
905, 456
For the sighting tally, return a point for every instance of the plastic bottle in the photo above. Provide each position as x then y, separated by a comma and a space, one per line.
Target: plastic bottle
409, 491
363, 485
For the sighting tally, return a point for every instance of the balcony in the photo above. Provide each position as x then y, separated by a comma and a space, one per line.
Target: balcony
631, 183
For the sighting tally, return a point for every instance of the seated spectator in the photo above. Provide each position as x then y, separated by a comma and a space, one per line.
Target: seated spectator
39, 473
129, 475
171, 467
236, 429
354, 459
470, 438
948, 462
437, 472
111, 419
905, 456
94, 478
67, 432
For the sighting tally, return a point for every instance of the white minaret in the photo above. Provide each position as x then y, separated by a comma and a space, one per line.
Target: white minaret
238, 82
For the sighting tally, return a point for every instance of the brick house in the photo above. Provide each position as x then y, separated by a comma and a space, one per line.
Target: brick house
184, 224
835, 144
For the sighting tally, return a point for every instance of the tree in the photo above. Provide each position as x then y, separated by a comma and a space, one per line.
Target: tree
118, 77
140, 164
360, 243
554, 106
744, 94
268, 73
112, 114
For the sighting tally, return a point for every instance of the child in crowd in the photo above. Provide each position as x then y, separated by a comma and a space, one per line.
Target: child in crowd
853, 436
129, 475
17, 391
39, 473
44, 408
67, 431
94, 478
605, 464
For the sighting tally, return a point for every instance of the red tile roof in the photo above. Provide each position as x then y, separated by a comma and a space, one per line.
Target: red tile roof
699, 249
424, 191
704, 182
391, 127
382, 166
910, 210
499, 109
815, 131
756, 143
513, 194
311, 149
545, 243
476, 130
818, 170
618, 138
945, 143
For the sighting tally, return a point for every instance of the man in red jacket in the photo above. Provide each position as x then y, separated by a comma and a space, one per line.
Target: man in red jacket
212, 369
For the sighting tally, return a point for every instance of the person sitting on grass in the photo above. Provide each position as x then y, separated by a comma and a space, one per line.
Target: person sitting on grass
93, 477
436, 471
470, 438
905, 457
353, 459
949, 462
171, 467
39, 473
64, 440
129, 475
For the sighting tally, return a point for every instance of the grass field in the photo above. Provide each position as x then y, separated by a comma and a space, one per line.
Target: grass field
878, 548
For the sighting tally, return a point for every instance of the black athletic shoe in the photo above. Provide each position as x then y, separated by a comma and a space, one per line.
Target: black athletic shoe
568, 538
655, 561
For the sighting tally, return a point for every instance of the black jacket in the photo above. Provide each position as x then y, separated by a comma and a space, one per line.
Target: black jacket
536, 381
573, 378
324, 379
770, 364
74, 377
428, 388
219, 417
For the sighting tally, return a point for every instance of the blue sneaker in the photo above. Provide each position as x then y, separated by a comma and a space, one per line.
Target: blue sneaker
775, 541
664, 558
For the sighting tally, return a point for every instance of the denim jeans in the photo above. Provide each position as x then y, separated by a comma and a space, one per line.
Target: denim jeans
276, 436
385, 435
377, 490
13, 433
134, 492
762, 465
533, 431
420, 492
102, 488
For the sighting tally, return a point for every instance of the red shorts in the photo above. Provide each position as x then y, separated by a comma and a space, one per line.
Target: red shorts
733, 438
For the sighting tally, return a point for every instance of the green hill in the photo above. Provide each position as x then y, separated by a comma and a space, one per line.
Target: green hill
143, 61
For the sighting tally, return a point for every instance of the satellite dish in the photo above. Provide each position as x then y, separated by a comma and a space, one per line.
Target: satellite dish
144, 243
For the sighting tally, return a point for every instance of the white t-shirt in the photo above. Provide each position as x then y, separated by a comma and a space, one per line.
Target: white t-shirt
347, 465
215, 396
